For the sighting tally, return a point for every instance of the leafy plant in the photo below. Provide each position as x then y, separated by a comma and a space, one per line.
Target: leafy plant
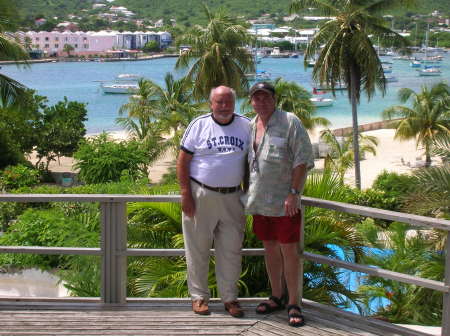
394, 184
13, 177
102, 160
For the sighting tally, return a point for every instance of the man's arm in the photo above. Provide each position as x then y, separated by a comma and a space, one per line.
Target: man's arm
299, 174
183, 173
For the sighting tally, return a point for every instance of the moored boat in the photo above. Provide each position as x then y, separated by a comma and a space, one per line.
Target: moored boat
430, 72
122, 88
321, 102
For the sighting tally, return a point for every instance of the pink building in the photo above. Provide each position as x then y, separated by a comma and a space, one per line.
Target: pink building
52, 43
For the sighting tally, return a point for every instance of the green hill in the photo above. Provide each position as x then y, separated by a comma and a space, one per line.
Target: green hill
185, 11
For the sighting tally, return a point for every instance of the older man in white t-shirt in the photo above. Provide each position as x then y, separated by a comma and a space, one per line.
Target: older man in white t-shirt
210, 169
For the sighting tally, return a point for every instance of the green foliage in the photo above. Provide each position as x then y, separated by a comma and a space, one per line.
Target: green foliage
413, 255
49, 227
427, 120
394, 184
151, 46
60, 130
18, 124
13, 177
375, 199
11, 91
217, 55
102, 160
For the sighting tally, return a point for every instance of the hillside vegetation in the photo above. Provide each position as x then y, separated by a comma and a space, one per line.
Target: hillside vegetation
185, 11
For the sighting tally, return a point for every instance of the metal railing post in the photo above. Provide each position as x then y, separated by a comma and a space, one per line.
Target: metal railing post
301, 248
446, 296
113, 246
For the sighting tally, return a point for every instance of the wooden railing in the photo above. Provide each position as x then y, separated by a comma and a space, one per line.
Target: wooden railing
113, 247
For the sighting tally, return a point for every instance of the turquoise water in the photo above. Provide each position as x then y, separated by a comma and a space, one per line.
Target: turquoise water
79, 81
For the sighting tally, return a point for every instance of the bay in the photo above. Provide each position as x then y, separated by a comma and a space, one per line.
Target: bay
80, 81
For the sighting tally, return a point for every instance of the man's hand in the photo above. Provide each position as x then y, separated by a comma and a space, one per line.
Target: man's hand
188, 204
291, 205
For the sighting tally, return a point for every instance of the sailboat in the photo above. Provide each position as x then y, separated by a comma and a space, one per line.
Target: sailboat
429, 71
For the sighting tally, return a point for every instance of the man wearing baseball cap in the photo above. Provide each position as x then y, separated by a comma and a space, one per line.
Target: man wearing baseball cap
280, 154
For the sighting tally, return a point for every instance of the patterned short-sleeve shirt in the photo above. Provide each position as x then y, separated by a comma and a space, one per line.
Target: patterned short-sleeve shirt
284, 146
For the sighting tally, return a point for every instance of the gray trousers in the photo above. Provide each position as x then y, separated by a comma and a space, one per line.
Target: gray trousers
219, 219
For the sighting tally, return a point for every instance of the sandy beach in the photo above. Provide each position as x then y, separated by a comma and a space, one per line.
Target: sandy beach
392, 155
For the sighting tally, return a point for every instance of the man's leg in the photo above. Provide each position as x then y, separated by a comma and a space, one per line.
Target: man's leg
291, 260
197, 241
228, 238
274, 266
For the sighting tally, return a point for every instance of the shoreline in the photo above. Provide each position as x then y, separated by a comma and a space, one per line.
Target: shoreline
92, 59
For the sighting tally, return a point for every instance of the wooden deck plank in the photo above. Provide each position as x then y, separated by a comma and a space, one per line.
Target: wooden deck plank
172, 318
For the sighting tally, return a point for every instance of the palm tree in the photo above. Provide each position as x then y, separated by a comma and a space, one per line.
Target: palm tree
176, 108
293, 98
10, 48
217, 55
141, 121
426, 120
341, 153
347, 53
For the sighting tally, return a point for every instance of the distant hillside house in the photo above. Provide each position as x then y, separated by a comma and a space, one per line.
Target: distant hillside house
40, 22
98, 5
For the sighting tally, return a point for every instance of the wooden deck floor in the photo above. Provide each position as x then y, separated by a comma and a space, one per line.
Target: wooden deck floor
177, 319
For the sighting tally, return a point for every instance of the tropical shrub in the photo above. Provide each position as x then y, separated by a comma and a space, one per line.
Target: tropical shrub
394, 184
48, 227
408, 254
102, 160
13, 177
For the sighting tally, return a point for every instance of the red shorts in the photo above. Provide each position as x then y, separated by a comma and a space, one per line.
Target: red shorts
283, 229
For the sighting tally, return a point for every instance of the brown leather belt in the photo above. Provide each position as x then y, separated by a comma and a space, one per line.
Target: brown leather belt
223, 190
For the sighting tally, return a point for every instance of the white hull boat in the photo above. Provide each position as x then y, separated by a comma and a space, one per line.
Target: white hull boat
321, 102
430, 72
120, 88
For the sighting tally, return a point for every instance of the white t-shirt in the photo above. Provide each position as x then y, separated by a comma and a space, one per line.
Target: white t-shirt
219, 150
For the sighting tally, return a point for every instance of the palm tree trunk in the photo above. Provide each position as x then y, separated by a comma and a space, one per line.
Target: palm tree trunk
354, 102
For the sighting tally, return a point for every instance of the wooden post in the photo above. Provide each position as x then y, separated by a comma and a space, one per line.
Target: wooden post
301, 248
113, 246
446, 296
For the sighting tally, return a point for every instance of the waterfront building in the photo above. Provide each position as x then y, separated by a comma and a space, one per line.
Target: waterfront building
88, 43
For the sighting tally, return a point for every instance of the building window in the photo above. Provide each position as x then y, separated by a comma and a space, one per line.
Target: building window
84, 38
47, 46
46, 38
66, 39
56, 38
37, 39
86, 46
76, 45
56, 45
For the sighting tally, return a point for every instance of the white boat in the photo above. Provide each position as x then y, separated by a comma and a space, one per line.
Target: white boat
403, 58
337, 87
128, 77
123, 88
390, 79
321, 102
430, 72
311, 63
415, 64
260, 75
387, 69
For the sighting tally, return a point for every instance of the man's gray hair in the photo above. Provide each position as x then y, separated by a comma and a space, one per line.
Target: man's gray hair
213, 91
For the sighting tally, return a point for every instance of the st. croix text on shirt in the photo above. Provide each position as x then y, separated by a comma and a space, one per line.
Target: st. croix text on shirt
225, 140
